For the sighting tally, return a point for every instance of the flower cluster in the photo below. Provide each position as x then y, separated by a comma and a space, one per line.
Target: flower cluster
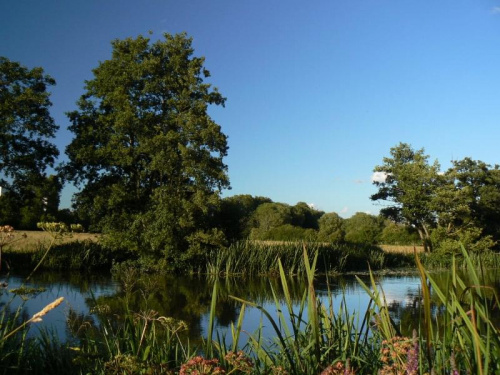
53, 227
6, 234
240, 362
201, 366
76, 228
6, 229
278, 370
412, 361
395, 354
339, 369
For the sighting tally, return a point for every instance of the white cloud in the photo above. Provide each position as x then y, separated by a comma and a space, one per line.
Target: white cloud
344, 210
359, 182
312, 205
379, 176
495, 10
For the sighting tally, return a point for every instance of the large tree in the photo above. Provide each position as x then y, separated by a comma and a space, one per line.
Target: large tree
407, 184
149, 156
26, 129
468, 205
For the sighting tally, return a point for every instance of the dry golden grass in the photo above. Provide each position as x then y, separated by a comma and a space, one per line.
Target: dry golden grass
29, 241
402, 249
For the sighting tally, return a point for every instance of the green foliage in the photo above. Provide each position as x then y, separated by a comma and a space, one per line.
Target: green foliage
286, 232
409, 185
25, 122
459, 206
268, 216
146, 150
451, 242
26, 128
398, 234
331, 228
279, 221
235, 215
363, 228
478, 189
78, 255
305, 216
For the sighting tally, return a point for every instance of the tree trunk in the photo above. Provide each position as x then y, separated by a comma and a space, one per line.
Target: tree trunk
424, 236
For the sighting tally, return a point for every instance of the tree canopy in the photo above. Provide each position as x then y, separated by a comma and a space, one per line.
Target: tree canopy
149, 156
459, 206
26, 150
408, 188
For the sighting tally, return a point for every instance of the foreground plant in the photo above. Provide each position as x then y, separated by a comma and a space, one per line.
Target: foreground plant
15, 347
35, 318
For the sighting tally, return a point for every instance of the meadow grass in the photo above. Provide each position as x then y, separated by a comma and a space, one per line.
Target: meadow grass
32, 241
402, 249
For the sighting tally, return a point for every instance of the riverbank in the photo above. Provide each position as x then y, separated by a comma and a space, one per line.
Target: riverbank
85, 251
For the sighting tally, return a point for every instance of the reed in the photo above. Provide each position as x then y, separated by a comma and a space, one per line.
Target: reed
261, 258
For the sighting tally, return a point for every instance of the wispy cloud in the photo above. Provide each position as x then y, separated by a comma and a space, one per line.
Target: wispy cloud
344, 210
495, 10
359, 182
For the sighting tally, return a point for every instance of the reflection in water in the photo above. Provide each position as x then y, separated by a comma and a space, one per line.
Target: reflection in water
188, 298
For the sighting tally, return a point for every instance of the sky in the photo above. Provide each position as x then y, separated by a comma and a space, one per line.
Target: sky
317, 91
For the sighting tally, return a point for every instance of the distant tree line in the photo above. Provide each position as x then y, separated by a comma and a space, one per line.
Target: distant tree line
258, 218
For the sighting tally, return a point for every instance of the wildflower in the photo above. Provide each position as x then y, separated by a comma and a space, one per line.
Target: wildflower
339, 369
394, 355
454, 370
201, 366
239, 361
412, 361
122, 364
278, 370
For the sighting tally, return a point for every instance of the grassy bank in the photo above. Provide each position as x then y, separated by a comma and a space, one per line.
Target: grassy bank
70, 251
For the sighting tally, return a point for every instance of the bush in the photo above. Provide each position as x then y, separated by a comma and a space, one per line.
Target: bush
78, 255
398, 234
450, 242
285, 232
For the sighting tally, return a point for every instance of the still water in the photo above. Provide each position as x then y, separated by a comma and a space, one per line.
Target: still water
189, 298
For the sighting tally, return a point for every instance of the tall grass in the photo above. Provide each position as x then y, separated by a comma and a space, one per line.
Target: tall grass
457, 333
261, 258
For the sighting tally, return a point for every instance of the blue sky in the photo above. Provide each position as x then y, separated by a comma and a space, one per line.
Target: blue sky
317, 91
